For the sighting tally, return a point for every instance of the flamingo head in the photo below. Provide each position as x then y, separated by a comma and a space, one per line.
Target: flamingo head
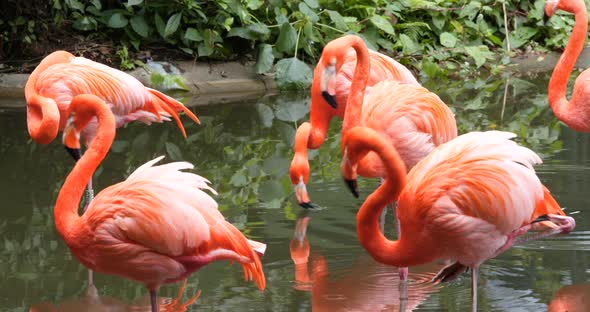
551, 6
79, 113
348, 168
328, 81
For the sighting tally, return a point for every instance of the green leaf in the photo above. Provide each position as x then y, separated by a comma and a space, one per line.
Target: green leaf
192, 34
265, 58
85, 23
117, 20
270, 190
383, 24
479, 54
134, 2
241, 32
291, 73
160, 26
521, 35
140, 26
448, 40
338, 20
259, 28
255, 4
172, 24
312, 3
173, 151
438, 21
287, 38
307, 11
409, 46
96, 4
238, 179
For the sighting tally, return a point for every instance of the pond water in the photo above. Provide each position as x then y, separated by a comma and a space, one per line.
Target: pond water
245, 150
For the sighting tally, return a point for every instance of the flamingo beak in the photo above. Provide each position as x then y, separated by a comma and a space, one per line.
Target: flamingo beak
327, 84
302, 197
71, 139
352, 186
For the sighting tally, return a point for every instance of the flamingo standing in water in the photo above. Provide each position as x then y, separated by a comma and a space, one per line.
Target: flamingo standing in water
61, 77
412, 118
330, 90
156, 227
575, 113
469, 200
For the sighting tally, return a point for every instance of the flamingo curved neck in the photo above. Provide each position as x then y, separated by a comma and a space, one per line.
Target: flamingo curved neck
398, 253
66, 208
566, 63
358, 85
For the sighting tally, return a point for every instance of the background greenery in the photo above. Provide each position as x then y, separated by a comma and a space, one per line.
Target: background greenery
436, 36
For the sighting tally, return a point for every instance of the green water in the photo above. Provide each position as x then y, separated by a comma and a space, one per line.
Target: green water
245, 150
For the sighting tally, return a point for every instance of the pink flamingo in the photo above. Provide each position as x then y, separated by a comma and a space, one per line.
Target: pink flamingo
332, 83
575, 113
156, 227
469, 200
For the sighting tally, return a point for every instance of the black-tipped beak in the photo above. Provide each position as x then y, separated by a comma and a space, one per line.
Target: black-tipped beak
352, 186
545, 19
308, 205
74, 152
330, 99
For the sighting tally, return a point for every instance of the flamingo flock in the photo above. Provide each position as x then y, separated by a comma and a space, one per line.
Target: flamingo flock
463, 198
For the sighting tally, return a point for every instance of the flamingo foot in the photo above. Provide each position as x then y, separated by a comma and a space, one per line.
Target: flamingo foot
449, 273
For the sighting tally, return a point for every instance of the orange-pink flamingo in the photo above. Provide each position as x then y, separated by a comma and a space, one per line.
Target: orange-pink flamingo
331, 86
156, 227
575, 113
469, 200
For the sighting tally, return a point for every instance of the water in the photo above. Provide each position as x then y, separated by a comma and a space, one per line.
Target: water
245, 150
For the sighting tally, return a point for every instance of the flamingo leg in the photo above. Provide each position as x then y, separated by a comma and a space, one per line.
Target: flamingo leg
474, 273
403, 295
154, 299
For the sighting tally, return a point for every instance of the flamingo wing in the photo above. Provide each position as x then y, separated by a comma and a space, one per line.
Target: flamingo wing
414, 119
165, 216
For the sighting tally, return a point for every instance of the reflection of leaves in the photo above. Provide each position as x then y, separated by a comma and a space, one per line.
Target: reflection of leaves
291, 110
173, 151
265, 113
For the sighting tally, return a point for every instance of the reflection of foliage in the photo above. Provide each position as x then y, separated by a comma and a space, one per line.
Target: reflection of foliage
479, 105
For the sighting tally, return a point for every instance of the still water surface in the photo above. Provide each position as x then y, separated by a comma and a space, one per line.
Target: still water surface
245, 150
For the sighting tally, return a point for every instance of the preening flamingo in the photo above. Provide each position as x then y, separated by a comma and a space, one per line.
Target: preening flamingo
60, 77
330, 89
469, 200
156, 227
575, 113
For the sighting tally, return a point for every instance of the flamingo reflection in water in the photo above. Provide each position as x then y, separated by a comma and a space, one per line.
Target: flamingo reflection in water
92, 302
571, 298
366, 286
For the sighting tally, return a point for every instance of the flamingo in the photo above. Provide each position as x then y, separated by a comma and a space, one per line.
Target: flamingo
330, 89
158, 226
575, 113
60, 77
469, 200
415, 120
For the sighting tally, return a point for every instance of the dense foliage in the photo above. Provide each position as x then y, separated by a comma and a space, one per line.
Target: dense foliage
447, 33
